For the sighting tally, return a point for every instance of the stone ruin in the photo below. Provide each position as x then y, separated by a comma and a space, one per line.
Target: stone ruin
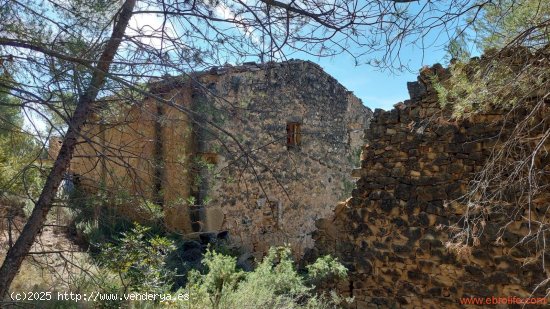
303, 130
416, 166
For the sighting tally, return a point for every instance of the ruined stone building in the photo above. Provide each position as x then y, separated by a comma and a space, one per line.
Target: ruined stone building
266, 152
258, 150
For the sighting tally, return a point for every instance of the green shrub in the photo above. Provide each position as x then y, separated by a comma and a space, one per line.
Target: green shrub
139, 260
275, 283
325, 267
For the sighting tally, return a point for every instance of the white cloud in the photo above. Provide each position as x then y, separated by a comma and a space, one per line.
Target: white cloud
149, 28
224, 12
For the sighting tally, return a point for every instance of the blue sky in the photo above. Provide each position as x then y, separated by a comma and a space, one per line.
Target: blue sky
379, 89
383, 89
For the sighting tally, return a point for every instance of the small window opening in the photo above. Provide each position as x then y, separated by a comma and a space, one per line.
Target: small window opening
293, 135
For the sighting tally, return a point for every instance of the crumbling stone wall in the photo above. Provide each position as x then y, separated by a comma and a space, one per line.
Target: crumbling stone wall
417, 164
133, 152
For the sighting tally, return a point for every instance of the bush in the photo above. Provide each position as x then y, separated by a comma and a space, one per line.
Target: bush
275, 283
139, 260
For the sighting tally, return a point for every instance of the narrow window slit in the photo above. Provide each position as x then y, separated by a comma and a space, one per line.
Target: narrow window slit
293, 135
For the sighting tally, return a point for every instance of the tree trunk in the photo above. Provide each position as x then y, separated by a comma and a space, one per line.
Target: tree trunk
21, 248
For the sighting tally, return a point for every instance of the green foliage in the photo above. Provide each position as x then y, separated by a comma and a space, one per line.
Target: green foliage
153, 210
104, 281
510, 79
189, 201
355, 157
494, 81
94, 220
139, 260
202, 170
326, 267
222, 278
96, 217
457, 49
275, 283
18, 150
520, 21
511, 33
348, 188
136, 262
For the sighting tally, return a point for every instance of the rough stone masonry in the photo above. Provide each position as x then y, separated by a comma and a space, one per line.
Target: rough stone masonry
416, 166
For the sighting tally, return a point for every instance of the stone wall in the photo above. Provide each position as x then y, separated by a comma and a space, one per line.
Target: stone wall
268, 192
129, 154
391, 233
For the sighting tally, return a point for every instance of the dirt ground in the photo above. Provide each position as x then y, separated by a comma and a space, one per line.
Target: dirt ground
54, 262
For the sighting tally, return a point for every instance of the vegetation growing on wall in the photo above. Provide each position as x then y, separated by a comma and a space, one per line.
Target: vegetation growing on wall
511, 78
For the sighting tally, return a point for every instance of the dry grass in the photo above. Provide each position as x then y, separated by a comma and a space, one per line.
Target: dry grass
56, 263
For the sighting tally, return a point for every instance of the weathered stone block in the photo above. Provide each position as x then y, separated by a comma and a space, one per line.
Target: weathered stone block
417, 275
416, 89
477, 289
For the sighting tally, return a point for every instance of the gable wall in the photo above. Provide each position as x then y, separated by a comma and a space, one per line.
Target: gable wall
272, 195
